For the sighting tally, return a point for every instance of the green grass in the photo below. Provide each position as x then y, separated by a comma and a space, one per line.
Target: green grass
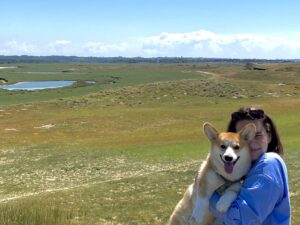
37, 213
106, 77
124, 152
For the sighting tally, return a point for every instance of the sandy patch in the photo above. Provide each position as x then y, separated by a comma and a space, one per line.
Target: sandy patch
47, 126
208, 73
11, 129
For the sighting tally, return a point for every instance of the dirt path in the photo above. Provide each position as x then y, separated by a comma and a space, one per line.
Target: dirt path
54, 190
208, 73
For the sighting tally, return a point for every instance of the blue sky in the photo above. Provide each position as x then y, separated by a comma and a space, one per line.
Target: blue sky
196, 28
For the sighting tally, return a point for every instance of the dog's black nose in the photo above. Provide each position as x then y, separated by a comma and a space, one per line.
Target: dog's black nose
228, 158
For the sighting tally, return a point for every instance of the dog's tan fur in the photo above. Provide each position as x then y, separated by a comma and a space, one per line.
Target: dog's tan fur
193, 207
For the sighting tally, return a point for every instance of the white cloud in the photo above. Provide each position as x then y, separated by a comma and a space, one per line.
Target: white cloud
59, 43
172, 39
200, 43
17, 48
58, 47
104, 49
208, 44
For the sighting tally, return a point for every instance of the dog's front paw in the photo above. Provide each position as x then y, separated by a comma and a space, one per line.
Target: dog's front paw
225, 201
222, 206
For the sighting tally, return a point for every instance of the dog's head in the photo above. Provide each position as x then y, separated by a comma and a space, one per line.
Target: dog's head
230, 153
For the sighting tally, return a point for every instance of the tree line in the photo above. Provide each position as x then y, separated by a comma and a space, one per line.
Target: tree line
120, 59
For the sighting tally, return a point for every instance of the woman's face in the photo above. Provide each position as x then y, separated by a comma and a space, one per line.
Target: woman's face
260, 142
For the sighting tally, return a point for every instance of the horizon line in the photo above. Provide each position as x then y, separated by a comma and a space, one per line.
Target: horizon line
154, 57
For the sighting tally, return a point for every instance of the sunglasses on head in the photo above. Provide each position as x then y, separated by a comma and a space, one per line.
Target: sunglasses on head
248, 114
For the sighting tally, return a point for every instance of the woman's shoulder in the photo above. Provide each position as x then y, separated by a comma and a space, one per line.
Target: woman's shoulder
270, 158
270, 164
269, 172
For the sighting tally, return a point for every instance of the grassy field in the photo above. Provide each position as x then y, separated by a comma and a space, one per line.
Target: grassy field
123, 150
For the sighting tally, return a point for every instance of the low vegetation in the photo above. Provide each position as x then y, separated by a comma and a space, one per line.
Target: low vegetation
123, 150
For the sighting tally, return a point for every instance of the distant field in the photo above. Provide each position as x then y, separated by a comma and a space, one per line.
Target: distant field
123, 150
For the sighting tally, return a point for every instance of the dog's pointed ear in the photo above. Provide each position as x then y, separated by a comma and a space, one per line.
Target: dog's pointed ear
248, 132
211, 132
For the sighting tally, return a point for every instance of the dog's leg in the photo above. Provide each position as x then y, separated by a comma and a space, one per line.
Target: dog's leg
200, 210
228, 197
209, 183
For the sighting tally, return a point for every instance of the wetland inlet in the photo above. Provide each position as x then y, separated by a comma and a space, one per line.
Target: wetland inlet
37, 85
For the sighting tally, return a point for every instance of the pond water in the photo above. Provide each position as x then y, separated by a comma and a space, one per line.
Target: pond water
51, 73
37, 85
7, 67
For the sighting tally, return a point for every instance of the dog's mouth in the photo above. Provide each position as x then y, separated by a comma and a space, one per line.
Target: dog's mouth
228, 165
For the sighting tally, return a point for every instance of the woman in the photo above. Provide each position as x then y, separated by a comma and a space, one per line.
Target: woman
264, 196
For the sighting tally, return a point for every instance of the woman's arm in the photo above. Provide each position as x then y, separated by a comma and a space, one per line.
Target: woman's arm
257, 199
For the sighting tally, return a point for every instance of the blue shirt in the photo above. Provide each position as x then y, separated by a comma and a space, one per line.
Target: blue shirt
263, 198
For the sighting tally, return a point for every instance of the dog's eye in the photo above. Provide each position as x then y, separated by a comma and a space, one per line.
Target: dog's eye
223, 147
236, 147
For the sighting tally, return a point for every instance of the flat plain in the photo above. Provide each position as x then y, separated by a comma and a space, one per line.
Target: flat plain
123, 150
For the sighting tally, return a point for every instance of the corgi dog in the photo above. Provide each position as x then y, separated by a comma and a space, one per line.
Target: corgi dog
227, 163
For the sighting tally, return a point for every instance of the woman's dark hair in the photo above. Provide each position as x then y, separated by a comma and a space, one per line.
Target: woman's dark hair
250, 113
